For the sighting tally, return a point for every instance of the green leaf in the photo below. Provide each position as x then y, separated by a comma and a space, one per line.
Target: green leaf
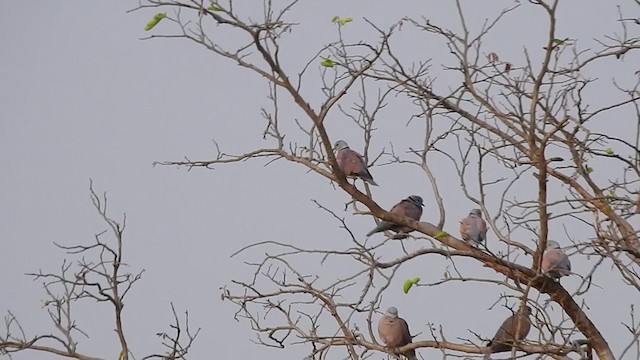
441, 235
406, 286
609, 151
558, 42
215, 7
156, 19
588, 169
409, 283
446, 275
341, 22
326, 63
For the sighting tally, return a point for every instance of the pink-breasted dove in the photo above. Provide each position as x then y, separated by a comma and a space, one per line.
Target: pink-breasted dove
394, 332
351, 163
473, 228
555, 263
410, 207
515, 328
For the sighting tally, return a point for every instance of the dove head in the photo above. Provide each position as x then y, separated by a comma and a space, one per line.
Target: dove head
392, 312
416, 200
551, 244
527, 310
476, 212
340, 144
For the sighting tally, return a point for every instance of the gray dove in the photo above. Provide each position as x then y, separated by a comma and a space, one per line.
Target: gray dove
410, 207
351, 163
473, 228
394, 332
555, 263
515, 328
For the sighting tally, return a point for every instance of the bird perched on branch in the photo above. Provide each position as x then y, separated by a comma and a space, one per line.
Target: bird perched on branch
394, 332
351, 163
555, 263
515, 328
410, 207
473, 228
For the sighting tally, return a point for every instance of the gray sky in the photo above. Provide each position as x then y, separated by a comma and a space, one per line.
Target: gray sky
83, 98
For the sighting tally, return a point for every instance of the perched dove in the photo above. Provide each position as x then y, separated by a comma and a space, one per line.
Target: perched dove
351, 163
473, 228
514, 329
555, 263
394, 332
410, 207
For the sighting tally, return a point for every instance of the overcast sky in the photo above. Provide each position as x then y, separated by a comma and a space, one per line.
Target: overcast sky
82, 97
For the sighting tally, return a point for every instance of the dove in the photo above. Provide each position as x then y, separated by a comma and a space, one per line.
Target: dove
473, 228
515, 328
351, 163
394, 332
555, 263
410, 207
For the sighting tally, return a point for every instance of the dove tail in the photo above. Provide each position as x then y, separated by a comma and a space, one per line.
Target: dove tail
382, 226
371, 182
366, 176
